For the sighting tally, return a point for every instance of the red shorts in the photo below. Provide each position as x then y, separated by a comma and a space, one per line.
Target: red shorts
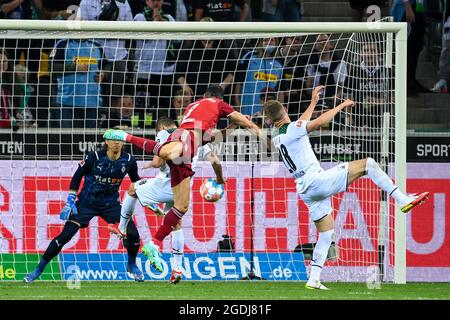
181, 168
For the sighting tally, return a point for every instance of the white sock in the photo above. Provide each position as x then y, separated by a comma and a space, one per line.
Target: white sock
126, 212
320, 253
178, 248
382, 180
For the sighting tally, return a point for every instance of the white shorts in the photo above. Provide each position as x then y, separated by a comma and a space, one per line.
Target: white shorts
155, 190
317, 196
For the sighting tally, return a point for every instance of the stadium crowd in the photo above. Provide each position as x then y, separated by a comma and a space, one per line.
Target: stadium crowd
82, 83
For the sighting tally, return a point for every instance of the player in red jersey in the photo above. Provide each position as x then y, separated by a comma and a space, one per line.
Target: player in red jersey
199, 120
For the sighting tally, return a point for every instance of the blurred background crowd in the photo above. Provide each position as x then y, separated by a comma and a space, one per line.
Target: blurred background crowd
91, 83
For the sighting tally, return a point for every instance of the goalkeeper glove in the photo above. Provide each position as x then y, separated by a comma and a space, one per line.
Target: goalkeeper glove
112, 134
70, 207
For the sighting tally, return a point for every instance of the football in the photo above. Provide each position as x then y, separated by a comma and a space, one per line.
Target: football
211, 190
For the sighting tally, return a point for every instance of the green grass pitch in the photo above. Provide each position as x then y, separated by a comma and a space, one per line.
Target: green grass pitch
220, 290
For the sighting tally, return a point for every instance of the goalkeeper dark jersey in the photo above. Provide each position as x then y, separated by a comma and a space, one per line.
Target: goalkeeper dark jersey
102, 178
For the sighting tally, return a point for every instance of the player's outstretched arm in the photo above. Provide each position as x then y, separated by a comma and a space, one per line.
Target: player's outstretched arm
327, 116
217, 167
315, 96
241, 120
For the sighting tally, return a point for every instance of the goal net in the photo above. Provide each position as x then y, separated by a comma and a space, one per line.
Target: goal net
64, 84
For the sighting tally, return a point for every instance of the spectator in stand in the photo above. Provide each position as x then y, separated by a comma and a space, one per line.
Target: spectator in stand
326, 67
21, 50
43, 90
372, 88
444, 61
180, 101
23, 116
257, 69
414, 12
293, 84
220, 10
207, 62
285, 10
155, 67
77, 65
10, 92
115, 68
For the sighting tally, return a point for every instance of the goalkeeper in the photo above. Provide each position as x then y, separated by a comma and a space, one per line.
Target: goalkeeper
103, 174
316, 186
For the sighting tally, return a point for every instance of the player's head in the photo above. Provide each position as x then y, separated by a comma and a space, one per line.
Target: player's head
115, 146
275, 111
164, 123
214, 91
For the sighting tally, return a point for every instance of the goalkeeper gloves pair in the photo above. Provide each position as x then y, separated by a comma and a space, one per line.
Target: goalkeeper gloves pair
70, 208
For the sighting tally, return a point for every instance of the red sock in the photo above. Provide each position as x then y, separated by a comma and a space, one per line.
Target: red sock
171, 219
149, 146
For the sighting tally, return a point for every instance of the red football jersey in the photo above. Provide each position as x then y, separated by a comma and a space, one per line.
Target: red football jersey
205, 113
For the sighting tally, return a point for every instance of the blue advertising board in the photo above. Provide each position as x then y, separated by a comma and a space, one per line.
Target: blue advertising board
196, 266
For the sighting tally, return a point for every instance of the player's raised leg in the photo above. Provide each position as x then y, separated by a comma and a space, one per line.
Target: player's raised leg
53, 249
370, 167
170, 151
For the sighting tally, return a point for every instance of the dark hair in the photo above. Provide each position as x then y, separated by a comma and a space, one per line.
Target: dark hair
272, 110
164, 121
214, 91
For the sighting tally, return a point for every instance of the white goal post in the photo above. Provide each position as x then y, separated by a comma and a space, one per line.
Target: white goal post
38, 29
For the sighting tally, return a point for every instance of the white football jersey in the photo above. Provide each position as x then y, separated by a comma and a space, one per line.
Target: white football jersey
161, 138
297, 154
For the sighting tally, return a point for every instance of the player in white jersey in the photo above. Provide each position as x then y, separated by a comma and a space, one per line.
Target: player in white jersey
316, 186
151, 192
